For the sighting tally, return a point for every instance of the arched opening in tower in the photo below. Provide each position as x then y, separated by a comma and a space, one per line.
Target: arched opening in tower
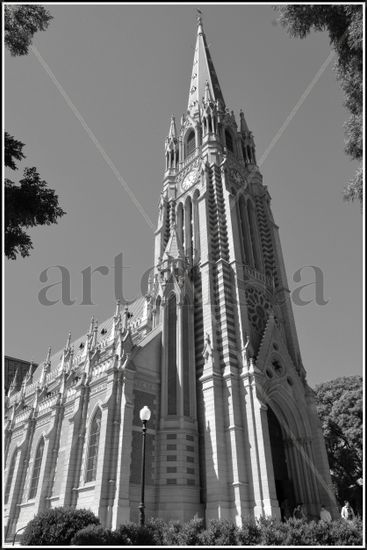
190, 143
283, 482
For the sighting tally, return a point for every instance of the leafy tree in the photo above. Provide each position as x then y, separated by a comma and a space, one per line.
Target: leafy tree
339, 404
57, 526
22, 21
344, 23
28, 204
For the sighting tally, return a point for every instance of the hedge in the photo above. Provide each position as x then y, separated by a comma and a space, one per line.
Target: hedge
63, 526
57, 526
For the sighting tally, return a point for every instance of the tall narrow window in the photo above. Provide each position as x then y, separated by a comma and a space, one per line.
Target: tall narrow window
180, 224
188, 228
254, 232
229, 141
185, 356
91, 471
157, 311
196, 231
9, 481
172, 357
36, 469
190, 143
249, 153
245, 230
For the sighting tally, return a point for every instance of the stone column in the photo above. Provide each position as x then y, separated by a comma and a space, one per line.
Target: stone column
264, 492
121, 505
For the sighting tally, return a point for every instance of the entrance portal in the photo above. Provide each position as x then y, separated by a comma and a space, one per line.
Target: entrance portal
283, 483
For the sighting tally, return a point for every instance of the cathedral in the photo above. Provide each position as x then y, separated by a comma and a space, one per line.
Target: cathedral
211, 350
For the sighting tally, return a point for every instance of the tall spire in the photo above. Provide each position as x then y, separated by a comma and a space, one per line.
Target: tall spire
203, 71
172, 129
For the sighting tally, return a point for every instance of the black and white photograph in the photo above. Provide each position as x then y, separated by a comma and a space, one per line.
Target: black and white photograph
183, 274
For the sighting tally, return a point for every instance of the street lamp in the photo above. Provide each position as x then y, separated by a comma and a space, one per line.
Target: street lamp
144, 417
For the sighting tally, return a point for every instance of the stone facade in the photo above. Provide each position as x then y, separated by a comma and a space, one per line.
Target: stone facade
211, 349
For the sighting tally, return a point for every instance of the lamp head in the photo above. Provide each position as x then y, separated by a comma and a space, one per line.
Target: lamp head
145, 414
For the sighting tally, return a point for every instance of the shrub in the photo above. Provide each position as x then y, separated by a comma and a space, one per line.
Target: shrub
138, 535
272, 531
219, 533
164, 533
249, 534
346, 532
189, 535
57, 526
300, 532
98, 535
158, 528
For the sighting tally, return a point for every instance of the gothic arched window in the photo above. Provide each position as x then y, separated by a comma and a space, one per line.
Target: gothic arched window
157, 311
245, 231
229, 141
248, 149
36, 469
190, 143
254, 232
10, 477
180, 224
95, 429
188, 228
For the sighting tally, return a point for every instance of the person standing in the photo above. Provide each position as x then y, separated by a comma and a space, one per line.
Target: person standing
285, 510
347, 511
298, 512
325, 514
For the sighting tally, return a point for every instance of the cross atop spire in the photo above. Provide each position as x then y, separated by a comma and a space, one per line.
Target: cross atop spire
202, 71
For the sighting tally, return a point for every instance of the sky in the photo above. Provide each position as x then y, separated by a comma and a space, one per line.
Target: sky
100, 118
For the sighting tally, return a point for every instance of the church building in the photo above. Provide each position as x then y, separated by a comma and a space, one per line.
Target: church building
211, 349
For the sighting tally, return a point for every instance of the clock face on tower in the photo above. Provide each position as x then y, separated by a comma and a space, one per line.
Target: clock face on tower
189, 179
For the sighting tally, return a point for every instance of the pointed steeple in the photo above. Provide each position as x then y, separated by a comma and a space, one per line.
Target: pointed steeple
48, 358
203, 72
171, 147
13, 384
207, 93
174, 247
29, 375
118, 308
95, 335
45, 369
68, 341
91, 326
243, 124
172, 134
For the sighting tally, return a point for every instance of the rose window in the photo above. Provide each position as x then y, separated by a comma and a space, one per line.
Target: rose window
258, 309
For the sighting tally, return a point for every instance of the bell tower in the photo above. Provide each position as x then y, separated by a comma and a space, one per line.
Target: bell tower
231, 368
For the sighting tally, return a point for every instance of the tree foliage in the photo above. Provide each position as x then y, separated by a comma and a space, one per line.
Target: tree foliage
344, 23
57, 526
22, 21
339, 404
28, 204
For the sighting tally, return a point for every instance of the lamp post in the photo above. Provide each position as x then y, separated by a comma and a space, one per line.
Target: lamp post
144, 417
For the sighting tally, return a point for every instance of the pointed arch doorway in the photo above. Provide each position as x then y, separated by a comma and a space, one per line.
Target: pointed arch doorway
283, 482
